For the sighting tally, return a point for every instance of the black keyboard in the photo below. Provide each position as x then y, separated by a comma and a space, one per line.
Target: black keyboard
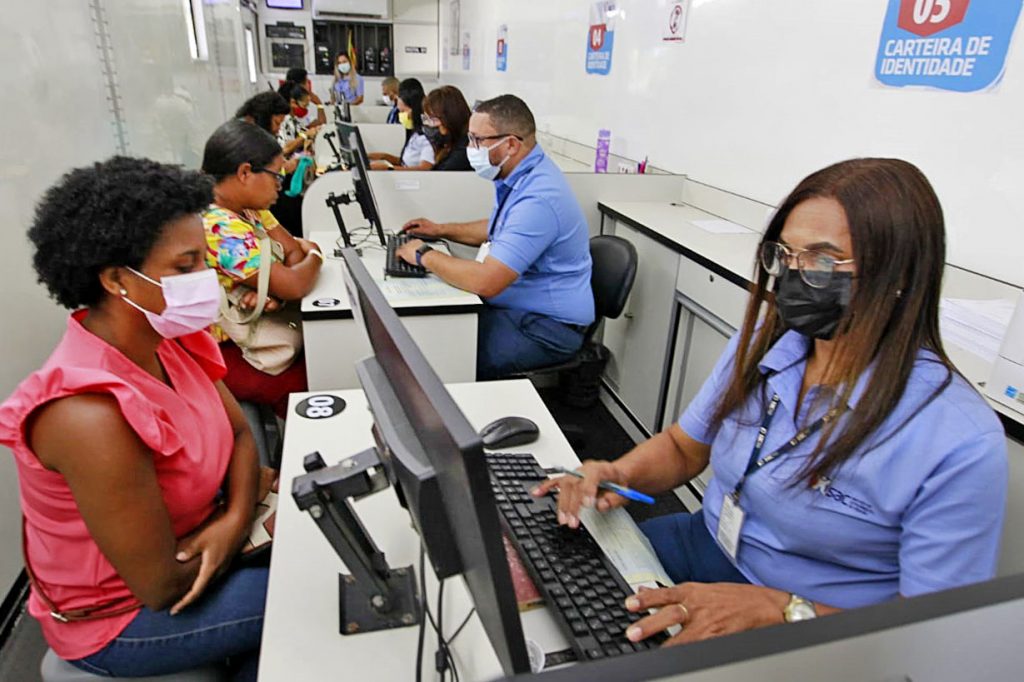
579, 584
395, 266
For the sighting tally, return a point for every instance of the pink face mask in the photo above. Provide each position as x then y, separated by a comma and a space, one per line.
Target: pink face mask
193, 303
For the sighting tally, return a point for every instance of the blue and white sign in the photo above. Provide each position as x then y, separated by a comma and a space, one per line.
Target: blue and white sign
601, 37
502, 48
958, 45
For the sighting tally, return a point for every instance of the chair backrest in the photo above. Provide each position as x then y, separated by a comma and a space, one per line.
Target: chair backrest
612, 277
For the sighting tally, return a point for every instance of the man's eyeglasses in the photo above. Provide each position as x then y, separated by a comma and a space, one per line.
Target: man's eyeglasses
816, 267
474, 140
279, 174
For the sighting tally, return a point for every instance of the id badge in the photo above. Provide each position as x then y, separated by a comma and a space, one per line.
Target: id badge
730, 523
482, 252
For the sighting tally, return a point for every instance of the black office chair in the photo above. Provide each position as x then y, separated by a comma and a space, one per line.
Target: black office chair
611, 280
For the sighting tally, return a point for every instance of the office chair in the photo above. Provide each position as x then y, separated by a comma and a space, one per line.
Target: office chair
611, 280
53, 669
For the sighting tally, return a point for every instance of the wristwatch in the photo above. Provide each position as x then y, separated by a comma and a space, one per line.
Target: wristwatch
422, 250
798, 609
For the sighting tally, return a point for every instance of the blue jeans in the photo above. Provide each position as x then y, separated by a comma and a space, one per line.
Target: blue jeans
510, 341
223, 627
687, 550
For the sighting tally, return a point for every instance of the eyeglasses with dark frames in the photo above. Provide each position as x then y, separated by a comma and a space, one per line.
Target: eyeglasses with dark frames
474, 140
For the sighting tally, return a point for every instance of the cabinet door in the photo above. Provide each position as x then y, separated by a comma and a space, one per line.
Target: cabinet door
639, 338
701, 337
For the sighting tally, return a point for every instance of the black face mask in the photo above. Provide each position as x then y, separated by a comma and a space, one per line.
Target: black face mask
434, 135
812, 312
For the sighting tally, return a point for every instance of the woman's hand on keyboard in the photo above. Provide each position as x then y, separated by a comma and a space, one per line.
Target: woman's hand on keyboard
574, 493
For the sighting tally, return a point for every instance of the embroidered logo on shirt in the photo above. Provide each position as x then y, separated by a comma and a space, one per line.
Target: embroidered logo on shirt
824, 486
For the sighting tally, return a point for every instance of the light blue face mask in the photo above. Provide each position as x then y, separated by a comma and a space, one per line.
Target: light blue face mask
480, 160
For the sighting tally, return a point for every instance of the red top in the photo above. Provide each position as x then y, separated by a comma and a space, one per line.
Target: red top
186, 428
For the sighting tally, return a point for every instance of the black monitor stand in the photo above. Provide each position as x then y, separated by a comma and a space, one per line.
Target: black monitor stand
333, 201
329, 136
375, 596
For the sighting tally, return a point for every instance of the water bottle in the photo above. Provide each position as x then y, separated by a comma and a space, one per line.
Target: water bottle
604, 143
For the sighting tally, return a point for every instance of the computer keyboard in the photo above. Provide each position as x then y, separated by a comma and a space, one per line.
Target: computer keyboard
395, 266
582, 588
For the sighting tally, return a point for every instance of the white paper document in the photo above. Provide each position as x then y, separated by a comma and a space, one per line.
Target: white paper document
975, 325
718, 226
414, 287
626, 546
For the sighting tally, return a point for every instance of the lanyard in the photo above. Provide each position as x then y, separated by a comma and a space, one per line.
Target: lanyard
755, 464
497, 213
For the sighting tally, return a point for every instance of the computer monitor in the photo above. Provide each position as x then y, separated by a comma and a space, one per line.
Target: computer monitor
434, 459
354, 156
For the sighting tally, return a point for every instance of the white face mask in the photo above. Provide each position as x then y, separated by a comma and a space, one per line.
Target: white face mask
344, 68
192, 303
480, 160
388, 101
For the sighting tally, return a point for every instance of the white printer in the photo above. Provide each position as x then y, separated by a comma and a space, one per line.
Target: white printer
1006, 384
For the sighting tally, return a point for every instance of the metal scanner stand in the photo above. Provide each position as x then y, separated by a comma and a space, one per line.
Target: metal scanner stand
375, 596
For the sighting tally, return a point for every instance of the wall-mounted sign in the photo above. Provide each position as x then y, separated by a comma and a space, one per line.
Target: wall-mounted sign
674, 30
285, 29
415, 49
958, 45
501, 49
601, 37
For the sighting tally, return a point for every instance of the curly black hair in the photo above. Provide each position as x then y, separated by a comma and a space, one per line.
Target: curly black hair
110, 213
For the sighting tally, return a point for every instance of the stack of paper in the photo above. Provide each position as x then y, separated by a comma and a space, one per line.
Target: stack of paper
975, 325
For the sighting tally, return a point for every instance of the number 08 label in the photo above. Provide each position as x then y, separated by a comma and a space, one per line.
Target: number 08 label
320, 407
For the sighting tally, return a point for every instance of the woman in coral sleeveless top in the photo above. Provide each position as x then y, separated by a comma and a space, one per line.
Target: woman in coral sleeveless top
137, 470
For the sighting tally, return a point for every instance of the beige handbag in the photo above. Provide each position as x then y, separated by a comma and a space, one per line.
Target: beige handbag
269, 341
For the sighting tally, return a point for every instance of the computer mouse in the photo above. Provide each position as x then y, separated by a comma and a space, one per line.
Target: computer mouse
509, 431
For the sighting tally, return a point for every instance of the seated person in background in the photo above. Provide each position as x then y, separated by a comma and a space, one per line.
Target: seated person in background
293, 126
389, 93
879, 472
446, 125
245, 163
127, 439
348, 84
312, 112
269, 110
417, 154
533, 267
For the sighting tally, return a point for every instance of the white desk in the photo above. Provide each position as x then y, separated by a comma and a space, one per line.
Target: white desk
443, 321
300, 635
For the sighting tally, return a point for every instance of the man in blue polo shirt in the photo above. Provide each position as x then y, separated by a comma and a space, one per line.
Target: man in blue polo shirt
533, 264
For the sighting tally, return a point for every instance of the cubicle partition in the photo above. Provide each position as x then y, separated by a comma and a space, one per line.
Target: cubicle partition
377, 137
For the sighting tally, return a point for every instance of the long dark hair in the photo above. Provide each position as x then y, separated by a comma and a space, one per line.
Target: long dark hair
899, 246
411, 92
262, 107
237, 142
448, 104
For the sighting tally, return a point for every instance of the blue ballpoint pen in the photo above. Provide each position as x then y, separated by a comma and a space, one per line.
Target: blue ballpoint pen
628, 493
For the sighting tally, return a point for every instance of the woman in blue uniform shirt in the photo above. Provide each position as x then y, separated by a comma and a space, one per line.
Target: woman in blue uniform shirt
852, 463
348, 84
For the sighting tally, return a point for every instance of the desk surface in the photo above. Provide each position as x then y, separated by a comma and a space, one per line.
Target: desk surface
409, 296
732, 255
300, 635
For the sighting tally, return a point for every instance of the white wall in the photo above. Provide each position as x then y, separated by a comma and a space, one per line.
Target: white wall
60, 117
759, 95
